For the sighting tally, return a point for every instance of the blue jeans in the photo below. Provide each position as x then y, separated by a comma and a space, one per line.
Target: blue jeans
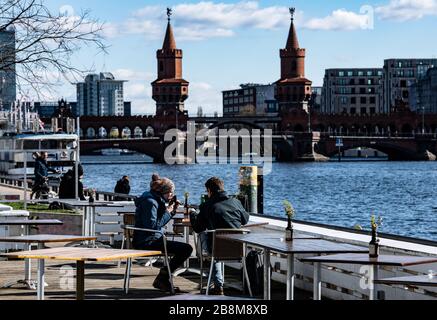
217, 275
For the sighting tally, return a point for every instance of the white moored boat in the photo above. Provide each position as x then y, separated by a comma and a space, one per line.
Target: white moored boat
16, 151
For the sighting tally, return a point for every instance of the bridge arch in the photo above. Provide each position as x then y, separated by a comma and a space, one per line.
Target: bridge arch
393, 150
126, 133
103, 132
114, 133
91, 133
152, 147
150, 131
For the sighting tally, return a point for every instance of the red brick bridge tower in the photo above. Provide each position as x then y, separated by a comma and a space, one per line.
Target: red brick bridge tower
293, 90
170, 90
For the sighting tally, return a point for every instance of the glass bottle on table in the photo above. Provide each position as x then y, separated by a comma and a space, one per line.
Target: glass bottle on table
374, 244
289, 230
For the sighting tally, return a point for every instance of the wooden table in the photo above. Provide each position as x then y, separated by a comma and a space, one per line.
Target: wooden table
364, 259
40, 240
27, 281
80, 255
418, 281
304, 245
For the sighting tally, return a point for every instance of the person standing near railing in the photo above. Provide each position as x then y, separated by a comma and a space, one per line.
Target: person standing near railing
41, 172
122, 187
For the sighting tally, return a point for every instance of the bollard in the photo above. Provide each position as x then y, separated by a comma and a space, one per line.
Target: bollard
249, 187
260, 191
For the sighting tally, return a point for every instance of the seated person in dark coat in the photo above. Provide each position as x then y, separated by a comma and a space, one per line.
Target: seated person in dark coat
122, 187
67, 188
219, 212
152, 213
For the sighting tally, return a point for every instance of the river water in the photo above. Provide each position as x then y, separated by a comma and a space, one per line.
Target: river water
342, 194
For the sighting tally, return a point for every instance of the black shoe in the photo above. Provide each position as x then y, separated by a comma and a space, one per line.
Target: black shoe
216, 291
164, 285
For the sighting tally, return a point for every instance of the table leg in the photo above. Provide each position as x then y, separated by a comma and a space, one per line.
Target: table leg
84, 222
93, 221
373, 274
80, 280
290, 277
267, 270
41, 271
28, 266
317, 291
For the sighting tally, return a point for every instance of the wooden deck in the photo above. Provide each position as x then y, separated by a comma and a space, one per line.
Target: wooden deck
104, 281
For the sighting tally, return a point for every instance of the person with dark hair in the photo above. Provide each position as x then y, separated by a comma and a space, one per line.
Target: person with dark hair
122, 187
41, 171
153, 214
219, 212
67, 187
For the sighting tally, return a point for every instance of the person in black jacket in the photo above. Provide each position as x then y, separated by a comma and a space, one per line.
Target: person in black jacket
67, 189
153, 214
122, 187
219, 212
42, 169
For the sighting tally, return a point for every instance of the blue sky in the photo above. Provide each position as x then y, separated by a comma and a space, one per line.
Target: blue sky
227, 43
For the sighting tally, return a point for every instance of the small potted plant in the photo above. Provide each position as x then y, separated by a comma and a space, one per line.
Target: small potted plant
290, 212
375, 223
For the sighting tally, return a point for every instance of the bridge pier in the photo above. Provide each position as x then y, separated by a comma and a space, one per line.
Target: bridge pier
302, 147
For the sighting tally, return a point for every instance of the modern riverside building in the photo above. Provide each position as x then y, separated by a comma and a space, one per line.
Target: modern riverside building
250, 99
353, 91
8, 81
170, 90
423, 96
100, 95
399, 77
293, 90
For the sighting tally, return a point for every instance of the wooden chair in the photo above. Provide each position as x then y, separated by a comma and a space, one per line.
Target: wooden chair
222, 251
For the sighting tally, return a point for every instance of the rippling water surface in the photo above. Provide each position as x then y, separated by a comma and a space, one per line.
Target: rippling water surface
342, 194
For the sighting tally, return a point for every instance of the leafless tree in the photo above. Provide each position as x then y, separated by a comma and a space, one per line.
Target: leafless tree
38, 45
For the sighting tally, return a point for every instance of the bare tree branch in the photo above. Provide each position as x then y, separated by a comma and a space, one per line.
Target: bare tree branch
41, 50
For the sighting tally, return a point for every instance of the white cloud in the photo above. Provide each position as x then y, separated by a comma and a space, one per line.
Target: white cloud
207, 19
403, 10
338, 20
137, 89
202, 20
204, 95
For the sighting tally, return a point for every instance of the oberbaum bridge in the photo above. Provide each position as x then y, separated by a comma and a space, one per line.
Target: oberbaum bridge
299, 134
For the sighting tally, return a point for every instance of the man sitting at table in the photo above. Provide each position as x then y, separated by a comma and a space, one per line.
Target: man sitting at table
218, 212
152, 213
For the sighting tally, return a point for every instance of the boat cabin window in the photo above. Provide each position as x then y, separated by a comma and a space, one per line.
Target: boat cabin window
30, 145
49, 145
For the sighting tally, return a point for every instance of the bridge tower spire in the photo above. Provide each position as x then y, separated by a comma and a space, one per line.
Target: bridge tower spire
293, 90
170, 90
